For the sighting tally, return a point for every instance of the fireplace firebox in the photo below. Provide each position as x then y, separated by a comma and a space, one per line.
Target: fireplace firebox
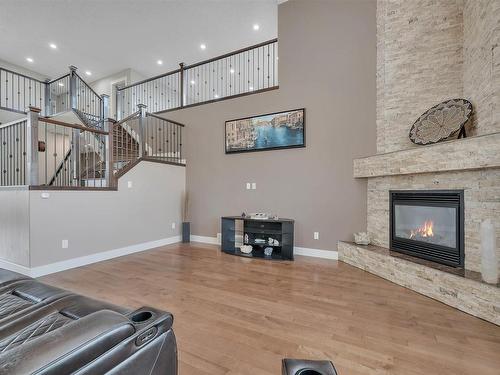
428, 224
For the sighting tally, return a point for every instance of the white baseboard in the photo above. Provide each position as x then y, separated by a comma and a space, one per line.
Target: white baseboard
305, 251
316, 253
5, 264
205, 239
87, 259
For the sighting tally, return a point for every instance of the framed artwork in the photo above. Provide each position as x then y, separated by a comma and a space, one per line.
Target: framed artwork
270, 131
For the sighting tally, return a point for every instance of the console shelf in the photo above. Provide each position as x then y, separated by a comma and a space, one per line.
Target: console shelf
234, 229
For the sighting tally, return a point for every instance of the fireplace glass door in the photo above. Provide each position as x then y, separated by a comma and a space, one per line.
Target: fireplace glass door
436, 225
428, 224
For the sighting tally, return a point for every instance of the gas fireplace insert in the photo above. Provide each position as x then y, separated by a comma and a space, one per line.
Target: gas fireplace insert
428, 224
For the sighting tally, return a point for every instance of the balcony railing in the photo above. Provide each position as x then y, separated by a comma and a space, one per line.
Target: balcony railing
18, 91
13, 153
67, 93
246, 71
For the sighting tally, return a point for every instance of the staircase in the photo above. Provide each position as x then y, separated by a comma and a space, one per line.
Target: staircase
45, 151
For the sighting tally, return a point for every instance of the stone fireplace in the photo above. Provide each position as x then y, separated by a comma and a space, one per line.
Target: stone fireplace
428, 52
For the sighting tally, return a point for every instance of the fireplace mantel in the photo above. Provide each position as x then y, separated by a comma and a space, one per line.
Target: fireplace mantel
460, 154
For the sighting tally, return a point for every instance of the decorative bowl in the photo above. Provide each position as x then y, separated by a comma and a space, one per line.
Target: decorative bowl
362, 238
441, 121
246, 249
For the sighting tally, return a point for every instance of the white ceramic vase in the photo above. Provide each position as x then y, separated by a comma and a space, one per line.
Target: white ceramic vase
489, 259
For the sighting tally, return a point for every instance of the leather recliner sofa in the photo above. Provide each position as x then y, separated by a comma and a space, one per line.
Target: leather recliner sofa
47, 330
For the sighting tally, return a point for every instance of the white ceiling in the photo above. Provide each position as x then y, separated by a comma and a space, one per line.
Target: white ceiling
107, 36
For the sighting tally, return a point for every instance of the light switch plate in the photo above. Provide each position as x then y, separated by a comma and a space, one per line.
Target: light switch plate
254, 185
249, 186
173, 225
129, 184
316, 235
64, 244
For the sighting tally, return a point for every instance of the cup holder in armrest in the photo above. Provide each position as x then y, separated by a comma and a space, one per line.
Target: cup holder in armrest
141, 316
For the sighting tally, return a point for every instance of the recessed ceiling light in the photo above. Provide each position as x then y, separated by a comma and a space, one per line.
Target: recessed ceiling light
53, 46
256, 26
192, 82
89, 73
61, 84
231, 71
159, 62
29, 59
203, 46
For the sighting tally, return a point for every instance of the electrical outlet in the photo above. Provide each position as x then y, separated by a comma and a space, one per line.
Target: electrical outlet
254, 185
316, 235
249, 186
129, 184
219, 237
64, 244
173, 225
45, 195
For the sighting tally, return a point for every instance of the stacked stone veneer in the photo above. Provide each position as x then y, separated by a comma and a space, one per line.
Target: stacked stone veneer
419, 63
429, 51
432, 50
481, 51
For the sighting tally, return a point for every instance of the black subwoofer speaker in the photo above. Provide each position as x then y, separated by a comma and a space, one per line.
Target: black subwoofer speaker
307, 367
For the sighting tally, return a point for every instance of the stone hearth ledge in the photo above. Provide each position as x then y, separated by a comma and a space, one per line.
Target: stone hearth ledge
458, 154
471, 296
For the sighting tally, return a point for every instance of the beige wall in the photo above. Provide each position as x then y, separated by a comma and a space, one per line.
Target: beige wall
97, 221
14, 225
327, 59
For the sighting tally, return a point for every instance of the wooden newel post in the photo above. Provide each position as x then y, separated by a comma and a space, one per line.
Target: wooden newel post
142, 130
110, 177
32, 147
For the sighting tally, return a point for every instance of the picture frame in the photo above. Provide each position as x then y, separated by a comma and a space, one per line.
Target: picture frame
266, 132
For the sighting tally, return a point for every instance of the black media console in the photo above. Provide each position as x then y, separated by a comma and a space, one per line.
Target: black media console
239, 230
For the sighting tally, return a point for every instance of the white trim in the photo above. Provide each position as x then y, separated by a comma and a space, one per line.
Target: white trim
205, 239
316, 253
87, 259
305, 251
15, 267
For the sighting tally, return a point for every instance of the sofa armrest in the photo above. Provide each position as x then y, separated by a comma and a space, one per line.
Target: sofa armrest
70, 347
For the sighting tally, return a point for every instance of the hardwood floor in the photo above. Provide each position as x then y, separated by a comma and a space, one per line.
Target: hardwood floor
236, 315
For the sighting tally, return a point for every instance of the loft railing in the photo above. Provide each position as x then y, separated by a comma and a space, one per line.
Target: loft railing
13, 153
18, 91
146, 136
246, 71
63, 94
